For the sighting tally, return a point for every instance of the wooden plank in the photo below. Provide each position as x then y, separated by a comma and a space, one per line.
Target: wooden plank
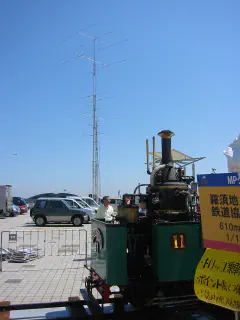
4, 315
93, 304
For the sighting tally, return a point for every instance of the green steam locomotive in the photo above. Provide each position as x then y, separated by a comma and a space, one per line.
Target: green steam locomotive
150, 256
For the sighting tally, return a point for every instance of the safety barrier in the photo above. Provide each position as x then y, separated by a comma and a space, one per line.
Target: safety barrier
25, 245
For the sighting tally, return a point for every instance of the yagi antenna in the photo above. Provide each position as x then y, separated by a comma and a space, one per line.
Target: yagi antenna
101, 99
76, 33
111, 64
112, 45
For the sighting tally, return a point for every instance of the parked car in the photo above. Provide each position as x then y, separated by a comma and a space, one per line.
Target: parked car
15, 209
92, 203
77, 201
57, 210
65, 195
21, 203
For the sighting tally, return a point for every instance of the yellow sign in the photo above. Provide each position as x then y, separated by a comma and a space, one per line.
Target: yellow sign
220, 210
217, 279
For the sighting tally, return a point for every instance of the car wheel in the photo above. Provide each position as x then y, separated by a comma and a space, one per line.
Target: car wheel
77, 221
40, 221
7, 214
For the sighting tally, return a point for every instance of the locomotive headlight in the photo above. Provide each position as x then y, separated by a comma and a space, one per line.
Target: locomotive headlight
178, 241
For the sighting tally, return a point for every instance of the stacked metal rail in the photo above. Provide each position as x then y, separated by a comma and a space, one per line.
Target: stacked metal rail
18, 256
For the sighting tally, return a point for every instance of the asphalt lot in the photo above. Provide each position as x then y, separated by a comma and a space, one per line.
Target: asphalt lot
58, 271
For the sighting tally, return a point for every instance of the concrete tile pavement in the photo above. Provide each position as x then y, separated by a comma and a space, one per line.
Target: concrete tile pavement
42, 286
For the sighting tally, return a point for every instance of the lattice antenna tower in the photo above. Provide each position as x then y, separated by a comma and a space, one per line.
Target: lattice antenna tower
96, 184
95, 151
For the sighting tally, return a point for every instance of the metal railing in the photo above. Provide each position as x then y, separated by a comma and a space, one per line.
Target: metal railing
24, 244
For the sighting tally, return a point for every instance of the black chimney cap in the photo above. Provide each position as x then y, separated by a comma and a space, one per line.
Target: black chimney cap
167, 134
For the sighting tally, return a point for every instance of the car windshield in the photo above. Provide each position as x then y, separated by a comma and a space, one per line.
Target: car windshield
19, 202
72, 204
82, 203
91, 202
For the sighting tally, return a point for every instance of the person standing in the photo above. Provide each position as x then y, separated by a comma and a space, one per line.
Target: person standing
127, 201
105, 210
142, 208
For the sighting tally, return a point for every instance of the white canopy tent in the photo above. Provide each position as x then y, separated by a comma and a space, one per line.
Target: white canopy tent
180, 159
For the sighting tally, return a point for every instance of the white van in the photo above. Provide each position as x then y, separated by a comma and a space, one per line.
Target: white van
115, 202
93, 204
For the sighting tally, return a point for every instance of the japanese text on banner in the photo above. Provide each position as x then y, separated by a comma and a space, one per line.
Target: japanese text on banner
220, 212
217, 279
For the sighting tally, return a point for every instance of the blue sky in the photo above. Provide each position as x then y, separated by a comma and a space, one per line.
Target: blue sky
181, 73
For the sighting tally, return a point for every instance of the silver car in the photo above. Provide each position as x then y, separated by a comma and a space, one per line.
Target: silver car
93, 204
79, 204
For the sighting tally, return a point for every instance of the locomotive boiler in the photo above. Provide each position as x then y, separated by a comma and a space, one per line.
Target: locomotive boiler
151, 250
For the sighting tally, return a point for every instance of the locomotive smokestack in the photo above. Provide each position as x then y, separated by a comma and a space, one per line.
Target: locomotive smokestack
166, 136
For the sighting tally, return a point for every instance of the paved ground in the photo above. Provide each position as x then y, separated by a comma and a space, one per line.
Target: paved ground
57, 274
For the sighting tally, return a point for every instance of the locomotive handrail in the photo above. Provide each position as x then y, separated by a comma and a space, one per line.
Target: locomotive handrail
138, 186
